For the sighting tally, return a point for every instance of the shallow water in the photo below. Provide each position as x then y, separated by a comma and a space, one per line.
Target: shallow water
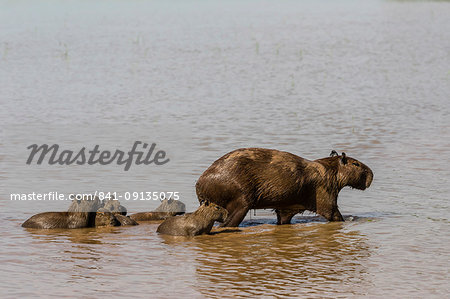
204, 78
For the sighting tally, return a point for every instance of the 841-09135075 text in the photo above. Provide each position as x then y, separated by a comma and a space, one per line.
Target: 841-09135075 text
128, 195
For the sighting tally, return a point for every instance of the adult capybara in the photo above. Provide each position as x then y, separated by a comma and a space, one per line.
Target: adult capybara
257, 178
197, 223
167, 208
81, 213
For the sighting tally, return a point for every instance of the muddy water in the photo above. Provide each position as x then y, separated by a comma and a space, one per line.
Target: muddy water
202, 79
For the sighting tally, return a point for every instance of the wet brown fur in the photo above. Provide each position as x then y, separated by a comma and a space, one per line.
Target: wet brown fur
197, 223
106, 219
167, 208
88, 203
114, 206
152, 216
81, 213
89, 211
257, 178
50, 220
117, 218
125, 220
171, 206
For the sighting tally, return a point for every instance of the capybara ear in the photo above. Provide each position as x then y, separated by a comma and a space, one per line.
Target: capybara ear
334, 153
344, 158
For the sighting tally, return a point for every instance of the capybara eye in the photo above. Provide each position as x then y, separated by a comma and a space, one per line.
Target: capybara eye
355, 163
217, 208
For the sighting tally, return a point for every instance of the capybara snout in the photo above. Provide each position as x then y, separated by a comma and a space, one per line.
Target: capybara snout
369, 178
354, 173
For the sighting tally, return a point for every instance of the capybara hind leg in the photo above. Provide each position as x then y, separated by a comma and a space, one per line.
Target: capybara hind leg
285, 216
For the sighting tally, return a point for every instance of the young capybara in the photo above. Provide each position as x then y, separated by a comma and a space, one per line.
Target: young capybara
81, 213
118, 219
258, 178
152, 216
167, 208
114, 206
49, 220
171, 206
88, 203
103, 218
197, 223
125, 220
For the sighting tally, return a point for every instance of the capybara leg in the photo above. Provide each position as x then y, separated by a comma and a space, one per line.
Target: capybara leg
336, 215
235, 217
285, 216
331, 214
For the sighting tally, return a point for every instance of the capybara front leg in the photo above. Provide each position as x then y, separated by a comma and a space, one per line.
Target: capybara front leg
326, 206
331, 214
336, 215
235, 217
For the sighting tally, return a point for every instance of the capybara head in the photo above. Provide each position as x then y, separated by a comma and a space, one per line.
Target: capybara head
105, 218
88, 203
114, 206
171, 206
352, 172
212, 211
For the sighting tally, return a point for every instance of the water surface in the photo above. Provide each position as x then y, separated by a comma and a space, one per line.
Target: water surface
202, 79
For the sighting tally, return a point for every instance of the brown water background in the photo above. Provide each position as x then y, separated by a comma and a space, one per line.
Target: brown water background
202, 78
